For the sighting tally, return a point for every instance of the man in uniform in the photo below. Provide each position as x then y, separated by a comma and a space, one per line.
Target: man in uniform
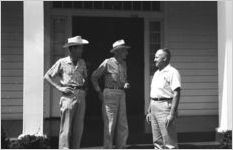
165, 95
73, 73
114, 71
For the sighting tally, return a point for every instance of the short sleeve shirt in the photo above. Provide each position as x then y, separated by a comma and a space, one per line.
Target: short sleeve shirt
115, 73
73, 75
164, 82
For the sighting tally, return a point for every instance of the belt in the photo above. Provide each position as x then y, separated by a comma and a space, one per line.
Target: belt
161, 99
117, 88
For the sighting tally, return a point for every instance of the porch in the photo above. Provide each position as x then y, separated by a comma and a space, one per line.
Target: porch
34, 120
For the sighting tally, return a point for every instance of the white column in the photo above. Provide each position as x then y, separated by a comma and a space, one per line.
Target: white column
33, 67
225, 32
146, 65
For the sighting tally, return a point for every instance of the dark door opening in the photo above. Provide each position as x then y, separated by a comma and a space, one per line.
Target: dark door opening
101, 32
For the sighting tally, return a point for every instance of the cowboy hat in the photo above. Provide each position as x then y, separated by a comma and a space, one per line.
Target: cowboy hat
77, 40
120, 44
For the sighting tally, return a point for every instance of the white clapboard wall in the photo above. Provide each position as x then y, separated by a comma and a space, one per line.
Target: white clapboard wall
191, 34
11, 60
190, 31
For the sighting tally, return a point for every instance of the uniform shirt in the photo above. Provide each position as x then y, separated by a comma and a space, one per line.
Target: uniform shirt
115, 74
71, 75
164, 82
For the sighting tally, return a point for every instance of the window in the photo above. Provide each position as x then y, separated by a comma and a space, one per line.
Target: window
155, 42
110, 5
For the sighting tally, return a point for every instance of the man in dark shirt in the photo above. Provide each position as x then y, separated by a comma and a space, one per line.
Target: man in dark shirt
114, 71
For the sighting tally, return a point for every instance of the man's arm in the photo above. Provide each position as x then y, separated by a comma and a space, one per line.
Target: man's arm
58, 86
52, 82
176, 87
175, 84
149, 108
148, 115
97, 74
175, 102
126, 85
85, 75
95, 77
54, 71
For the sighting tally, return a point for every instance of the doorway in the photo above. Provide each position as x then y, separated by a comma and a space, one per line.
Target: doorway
101, 32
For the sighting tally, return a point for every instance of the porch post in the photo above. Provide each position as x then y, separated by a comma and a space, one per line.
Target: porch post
225, 18
33, 67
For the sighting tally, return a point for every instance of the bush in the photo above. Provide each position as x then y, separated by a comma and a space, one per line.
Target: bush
30, 142
226, 142
4, 139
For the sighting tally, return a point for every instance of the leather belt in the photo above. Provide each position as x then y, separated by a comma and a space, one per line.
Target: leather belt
161, 99
117, 88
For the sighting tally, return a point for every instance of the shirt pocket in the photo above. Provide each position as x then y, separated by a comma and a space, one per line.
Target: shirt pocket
112, 68
77, 77
166, 82
68, 70
113, 71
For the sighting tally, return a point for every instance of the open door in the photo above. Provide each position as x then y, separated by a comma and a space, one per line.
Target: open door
101, 32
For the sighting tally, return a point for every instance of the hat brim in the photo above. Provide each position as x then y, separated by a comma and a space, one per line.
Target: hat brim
84, 42
120, 48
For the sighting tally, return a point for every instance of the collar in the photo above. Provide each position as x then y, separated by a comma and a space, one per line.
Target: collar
68, 60
165, 69
116, 61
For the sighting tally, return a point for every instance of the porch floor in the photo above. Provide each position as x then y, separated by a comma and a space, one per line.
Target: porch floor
144, 141
183, 145
191, 145
93, 137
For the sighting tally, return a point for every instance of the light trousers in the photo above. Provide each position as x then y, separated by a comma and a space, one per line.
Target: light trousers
115, 117
163, 137
72, 108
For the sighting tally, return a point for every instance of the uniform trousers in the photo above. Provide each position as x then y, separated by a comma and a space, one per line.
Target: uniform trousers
163, 137
115, 118
72, 108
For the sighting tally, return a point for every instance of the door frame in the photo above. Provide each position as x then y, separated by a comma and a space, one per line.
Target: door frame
147, 76
68, 13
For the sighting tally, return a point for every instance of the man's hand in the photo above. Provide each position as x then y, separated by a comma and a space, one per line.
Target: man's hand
127, 85
148, 118
67, 90
169, 120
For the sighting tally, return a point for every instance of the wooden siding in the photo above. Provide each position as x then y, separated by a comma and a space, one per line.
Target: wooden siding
12, 60
191, 35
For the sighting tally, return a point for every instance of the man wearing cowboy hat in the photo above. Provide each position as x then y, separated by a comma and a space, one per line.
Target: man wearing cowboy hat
73, 73
114, 71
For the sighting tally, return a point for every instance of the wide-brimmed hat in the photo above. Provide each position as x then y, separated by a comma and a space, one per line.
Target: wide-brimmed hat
77, 40
120, 44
